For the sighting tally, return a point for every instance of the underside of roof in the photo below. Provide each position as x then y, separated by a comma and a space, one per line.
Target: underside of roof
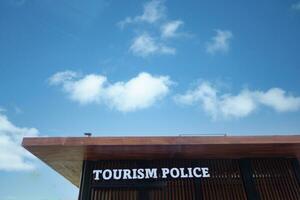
66, 154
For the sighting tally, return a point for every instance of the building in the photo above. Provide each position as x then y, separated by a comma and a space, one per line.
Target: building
173, 168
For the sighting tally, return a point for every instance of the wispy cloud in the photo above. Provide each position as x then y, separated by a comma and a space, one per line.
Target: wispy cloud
153, 11
144, 45
140, 92
13, 157
62, 77
169, 29
18, 110
2, 109
296, 6
17, 2
240, 105
220, 42
162, 29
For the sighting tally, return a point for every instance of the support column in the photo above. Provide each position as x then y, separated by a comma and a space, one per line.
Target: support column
86, 180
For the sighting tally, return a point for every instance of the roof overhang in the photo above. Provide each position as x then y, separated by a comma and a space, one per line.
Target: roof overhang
66, 154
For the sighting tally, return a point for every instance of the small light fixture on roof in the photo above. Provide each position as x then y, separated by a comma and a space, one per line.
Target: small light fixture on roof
88, 134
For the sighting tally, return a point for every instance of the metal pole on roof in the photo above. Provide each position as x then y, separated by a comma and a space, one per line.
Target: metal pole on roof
191, 135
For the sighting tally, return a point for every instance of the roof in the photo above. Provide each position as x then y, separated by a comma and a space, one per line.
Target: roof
66, 154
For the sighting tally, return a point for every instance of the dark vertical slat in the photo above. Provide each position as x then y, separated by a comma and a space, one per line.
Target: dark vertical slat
249, 184
143, 195
197, 183
259, 180
296, 168
212, 192
219, 181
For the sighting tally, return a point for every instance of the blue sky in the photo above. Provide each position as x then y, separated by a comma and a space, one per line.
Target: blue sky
140, 68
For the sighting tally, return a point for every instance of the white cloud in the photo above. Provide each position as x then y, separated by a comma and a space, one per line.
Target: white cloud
87, 89
169, 29
139, 92
240, 105
145, 45
13, 156
296, 6
220, 42
153, 11
279, 100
